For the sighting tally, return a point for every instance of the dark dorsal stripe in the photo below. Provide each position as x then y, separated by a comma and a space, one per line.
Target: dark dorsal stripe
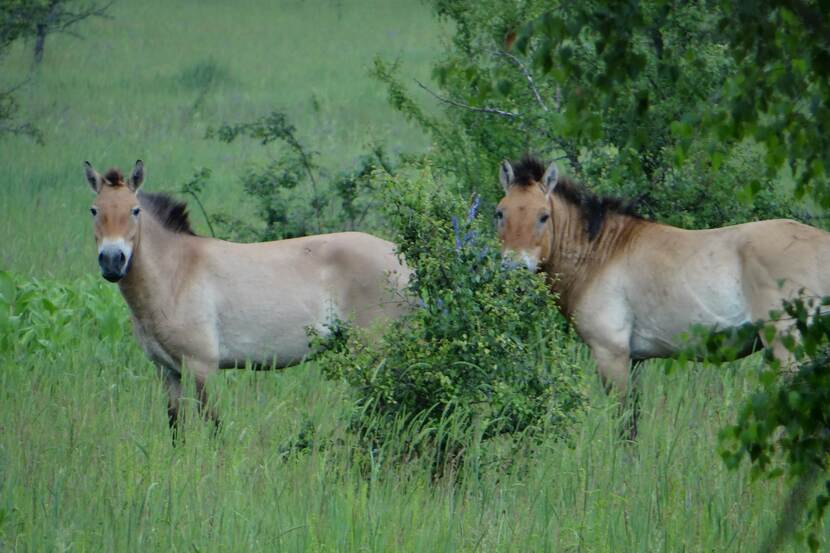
171, 213
592, 208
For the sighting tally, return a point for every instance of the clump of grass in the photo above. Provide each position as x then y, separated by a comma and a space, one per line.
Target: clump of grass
204, 75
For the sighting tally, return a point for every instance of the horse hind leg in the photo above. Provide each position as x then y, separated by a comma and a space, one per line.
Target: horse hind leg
761, 307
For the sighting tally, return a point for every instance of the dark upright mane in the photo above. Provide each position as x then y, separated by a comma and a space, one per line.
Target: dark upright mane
593, 208
528, 171
171, 213
114, 177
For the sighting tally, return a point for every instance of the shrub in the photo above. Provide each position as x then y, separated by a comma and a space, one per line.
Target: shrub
294, 195
483, 345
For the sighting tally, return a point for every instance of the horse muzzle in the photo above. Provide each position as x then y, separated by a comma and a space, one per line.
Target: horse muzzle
519, 260
114, 263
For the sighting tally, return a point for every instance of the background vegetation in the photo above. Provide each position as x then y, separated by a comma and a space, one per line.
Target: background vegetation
275, 118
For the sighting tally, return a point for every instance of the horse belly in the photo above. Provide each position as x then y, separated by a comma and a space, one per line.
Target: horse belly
711, 297
267, 334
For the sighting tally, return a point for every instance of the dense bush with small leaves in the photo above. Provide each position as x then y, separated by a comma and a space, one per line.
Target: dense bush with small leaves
482, 343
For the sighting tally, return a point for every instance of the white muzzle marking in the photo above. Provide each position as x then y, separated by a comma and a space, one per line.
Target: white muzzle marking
513, 259
112, 245
529, 261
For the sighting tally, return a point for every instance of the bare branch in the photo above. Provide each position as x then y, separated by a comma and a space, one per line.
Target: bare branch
493, 111
526, 72
67, 19
570, 151
792, 511
14, 88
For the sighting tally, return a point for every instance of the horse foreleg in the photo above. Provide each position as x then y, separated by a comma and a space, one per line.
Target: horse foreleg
173, 385
615, 370
201, 370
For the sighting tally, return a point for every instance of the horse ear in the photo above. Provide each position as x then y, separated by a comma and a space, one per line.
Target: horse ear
93, 178
506, 174
551, 178
137, 176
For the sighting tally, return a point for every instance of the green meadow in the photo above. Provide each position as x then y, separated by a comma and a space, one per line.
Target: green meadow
86, 460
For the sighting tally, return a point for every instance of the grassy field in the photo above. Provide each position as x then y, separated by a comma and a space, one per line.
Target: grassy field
86, 462
148, 83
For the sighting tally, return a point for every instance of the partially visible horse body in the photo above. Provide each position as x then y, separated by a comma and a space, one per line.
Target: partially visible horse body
201, 304
632, 286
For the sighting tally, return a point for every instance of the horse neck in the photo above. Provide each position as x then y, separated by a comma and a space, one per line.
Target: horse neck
574, 258
152, 277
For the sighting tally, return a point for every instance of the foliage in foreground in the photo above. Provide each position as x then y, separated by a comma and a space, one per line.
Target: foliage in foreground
87, 465
40, 316
484, 345
784, 427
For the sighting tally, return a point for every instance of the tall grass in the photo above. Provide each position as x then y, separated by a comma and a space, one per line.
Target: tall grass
87, 464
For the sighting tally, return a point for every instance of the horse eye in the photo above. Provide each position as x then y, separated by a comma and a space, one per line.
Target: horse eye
544, 218
499, 214
136, 211
94, 211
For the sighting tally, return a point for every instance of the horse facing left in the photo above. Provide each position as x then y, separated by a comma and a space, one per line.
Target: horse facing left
200, 304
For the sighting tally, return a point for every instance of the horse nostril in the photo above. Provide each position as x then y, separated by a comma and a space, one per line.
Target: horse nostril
121, 258
100, 257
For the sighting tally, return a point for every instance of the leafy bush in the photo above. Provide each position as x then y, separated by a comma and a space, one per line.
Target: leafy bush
784, 428
45, 316
483, 346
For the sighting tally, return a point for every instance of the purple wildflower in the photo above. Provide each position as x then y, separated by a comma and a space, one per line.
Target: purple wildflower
471, 213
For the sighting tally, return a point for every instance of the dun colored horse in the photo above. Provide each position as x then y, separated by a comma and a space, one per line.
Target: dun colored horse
632, 286
200, 304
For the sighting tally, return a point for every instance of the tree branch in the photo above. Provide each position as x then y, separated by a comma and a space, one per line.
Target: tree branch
570, 152
791, 513
67, 19
492, 111
526, 72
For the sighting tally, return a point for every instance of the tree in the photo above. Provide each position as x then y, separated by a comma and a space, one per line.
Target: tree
58, 16
15, 23
775, 92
